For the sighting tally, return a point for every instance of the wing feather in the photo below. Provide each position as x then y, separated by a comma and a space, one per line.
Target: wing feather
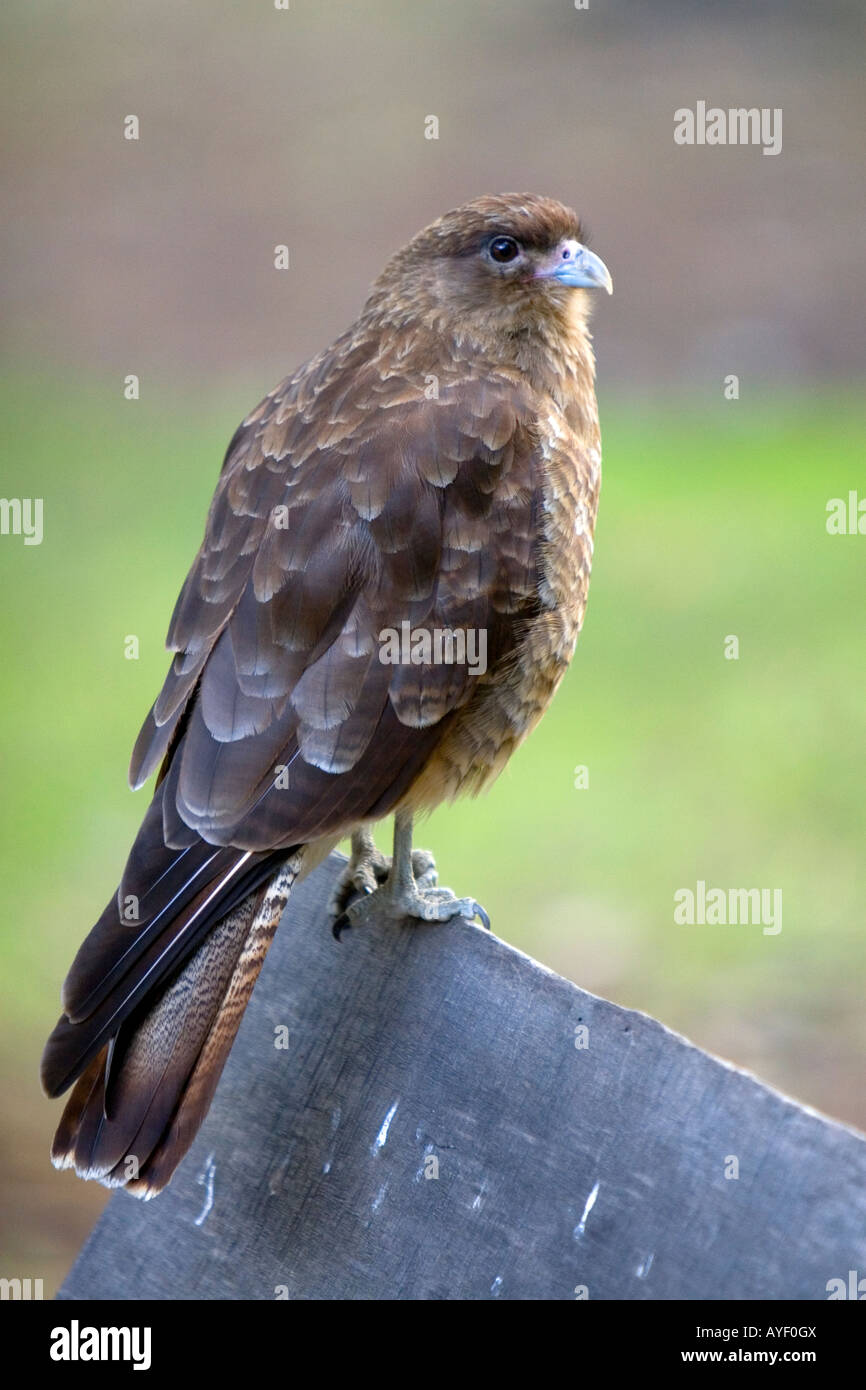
348, 504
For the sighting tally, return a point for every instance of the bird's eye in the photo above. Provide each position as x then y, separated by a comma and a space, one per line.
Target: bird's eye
504, 248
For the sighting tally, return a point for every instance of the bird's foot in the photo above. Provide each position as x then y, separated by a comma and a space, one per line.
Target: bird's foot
399, 888
369, 874
366, 870
415, 902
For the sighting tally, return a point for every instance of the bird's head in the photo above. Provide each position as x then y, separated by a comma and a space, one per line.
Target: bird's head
512, 264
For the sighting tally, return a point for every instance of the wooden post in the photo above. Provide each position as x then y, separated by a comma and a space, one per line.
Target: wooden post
425, 1113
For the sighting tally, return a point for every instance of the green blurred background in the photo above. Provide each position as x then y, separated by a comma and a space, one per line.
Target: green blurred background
155, 257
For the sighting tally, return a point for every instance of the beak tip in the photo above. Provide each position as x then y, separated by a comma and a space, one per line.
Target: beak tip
585, 270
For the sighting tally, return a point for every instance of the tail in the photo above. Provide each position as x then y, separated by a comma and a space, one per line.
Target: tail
140, 1100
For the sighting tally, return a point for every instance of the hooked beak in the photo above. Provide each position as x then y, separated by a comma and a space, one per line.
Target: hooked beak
577, 267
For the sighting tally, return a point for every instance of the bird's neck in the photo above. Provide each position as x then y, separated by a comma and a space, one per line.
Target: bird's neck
553, 355
555, 358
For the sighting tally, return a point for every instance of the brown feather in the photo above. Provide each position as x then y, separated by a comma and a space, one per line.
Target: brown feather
133, 1114
437, 466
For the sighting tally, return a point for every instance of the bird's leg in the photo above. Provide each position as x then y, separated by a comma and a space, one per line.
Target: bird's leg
366, 870
409, 890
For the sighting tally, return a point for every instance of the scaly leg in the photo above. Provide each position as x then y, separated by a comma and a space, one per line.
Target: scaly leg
406, 888
366, 870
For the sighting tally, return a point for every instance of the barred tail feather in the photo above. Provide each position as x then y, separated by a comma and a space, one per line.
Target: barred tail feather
136, 1109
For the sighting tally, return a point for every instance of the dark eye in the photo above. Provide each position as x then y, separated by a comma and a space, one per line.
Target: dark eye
504, 248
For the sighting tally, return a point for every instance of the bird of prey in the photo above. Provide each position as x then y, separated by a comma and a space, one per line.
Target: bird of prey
436, 469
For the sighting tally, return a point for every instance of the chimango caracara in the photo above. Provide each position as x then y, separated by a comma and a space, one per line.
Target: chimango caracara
434, 474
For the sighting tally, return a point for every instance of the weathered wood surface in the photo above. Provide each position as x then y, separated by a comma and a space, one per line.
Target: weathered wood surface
559, 1167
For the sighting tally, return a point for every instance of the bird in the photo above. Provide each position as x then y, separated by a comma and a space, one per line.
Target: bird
436, 470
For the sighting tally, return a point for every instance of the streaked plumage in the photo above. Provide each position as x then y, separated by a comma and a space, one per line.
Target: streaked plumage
438, 464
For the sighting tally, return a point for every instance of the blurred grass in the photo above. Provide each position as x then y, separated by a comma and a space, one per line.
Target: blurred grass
743, 773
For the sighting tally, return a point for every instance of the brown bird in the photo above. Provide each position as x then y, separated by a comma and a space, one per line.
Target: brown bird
435, 471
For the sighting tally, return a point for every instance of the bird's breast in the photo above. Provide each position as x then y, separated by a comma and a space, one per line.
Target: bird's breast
569, 483
510, 700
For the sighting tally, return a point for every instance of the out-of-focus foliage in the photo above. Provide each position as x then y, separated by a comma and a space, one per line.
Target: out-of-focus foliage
155, 257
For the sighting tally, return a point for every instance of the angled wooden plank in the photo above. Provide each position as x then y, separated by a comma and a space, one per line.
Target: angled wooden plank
435, 1129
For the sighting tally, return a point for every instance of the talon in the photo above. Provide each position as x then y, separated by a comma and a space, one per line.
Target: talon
365, 872
369, 886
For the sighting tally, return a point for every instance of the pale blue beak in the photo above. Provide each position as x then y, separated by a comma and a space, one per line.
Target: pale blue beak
579, 268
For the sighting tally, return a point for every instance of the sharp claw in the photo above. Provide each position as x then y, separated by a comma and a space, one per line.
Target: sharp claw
423, 901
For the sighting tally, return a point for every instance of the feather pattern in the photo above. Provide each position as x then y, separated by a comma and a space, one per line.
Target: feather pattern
436, 470
136, 1109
